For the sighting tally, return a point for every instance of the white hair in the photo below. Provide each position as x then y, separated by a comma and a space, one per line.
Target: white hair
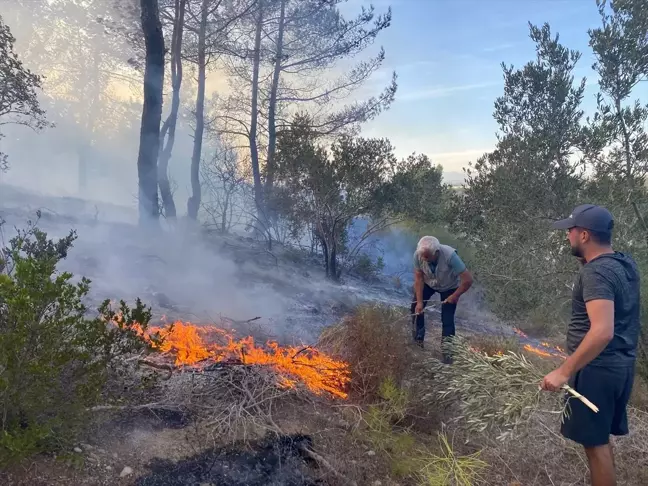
429, 243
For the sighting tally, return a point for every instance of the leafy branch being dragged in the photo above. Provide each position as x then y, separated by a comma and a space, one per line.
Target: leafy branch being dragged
496, 392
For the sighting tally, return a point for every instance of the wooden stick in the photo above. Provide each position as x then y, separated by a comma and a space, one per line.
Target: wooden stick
583, 399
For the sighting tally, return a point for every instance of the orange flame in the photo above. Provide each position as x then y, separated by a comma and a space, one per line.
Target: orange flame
199, 346
538, 351
550, 352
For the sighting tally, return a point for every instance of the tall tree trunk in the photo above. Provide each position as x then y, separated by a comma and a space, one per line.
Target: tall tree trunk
151, 113
254, 122
326, 255
272, 109
169, 126
333, 265
225, 215
193, 204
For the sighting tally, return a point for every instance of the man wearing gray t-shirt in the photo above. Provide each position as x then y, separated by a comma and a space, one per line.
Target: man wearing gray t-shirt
602, 339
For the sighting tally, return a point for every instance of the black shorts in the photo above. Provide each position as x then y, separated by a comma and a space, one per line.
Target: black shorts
607, 388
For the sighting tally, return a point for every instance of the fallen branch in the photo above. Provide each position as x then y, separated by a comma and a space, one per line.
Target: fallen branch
237, 322
150, 406
305, 348
158, 366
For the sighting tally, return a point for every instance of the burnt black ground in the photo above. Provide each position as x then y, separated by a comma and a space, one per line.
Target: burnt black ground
274, 461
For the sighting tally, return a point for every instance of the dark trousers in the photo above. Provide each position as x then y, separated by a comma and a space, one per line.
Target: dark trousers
447, 315
608, 388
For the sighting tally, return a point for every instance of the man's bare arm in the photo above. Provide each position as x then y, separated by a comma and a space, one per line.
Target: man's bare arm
601, 332
418, 286
465, 282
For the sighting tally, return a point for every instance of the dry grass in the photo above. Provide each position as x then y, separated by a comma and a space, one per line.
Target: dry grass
540, 456
224, 402
639, 398
374, 341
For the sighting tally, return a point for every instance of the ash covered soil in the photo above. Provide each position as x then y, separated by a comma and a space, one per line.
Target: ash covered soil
184, 273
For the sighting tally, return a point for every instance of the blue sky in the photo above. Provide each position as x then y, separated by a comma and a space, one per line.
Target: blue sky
447, 54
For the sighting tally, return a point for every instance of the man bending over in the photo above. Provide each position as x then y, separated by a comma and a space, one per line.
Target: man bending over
437, 269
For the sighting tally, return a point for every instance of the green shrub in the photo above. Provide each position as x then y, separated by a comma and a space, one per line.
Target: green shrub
384, 432
54, 360
367, 269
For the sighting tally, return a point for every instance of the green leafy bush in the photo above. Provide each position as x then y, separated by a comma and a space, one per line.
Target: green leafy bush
367, 269
54, 359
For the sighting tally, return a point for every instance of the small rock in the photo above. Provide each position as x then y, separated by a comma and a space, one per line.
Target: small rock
377, 483
78, 450
115, 456
109, 468
87, 447
127, 471
371, 453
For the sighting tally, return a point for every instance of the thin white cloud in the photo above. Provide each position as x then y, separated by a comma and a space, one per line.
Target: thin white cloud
442, 91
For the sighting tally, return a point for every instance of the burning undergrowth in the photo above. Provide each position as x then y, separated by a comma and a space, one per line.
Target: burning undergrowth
544, 349
274, 460
227, 389
186, 346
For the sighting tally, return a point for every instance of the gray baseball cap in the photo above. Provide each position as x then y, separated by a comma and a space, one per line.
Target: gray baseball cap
587, 216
